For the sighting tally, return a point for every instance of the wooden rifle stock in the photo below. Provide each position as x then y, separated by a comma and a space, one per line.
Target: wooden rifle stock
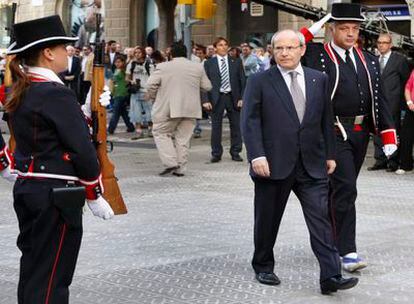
111, 191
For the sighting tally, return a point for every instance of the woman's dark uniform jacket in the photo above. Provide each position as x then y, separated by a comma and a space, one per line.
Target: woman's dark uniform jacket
52, 137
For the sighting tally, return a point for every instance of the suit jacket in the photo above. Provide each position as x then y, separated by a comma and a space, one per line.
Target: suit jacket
271, 128
74, 71
237, 79
89, 68
393, 79
175, 85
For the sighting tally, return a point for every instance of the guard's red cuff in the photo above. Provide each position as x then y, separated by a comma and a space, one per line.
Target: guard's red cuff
308, 35
93, 188
3, 94
389, 137
5, 158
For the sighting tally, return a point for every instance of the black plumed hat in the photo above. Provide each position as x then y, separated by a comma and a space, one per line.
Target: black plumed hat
37, 33
347, 12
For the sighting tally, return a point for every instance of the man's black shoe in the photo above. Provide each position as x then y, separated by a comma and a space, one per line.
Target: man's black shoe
215, 159
236, 158
178, 174
168, 171
337, 283
268, 278
378, 166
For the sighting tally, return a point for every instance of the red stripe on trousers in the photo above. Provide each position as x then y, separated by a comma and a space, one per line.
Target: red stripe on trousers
52, 275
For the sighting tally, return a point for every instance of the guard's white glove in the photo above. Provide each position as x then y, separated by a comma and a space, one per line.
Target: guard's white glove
100, 208
389, 149
316, 27
7, 175
104, 100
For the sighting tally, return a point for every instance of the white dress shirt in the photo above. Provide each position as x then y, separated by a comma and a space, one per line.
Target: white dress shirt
288, 79
226, 59
70, 60
341, 53
112, 57
386, 58
84, 61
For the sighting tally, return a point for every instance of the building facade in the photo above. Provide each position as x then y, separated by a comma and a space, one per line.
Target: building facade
133, 22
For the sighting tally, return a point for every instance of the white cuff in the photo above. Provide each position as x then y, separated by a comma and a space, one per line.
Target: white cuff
258, 158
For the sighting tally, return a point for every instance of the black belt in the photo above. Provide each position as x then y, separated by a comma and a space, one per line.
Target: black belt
353, 120
225, 93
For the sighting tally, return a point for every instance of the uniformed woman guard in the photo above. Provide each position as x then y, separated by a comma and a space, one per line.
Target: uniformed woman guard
53, 154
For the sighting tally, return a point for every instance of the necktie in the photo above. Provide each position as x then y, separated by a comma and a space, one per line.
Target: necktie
297, 95
224, 75
382, 64
348, 60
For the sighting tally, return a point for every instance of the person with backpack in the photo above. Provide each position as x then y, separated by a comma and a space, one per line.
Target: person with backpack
137, 73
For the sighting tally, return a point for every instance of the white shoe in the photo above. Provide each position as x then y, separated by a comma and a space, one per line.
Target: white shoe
400, 172
353, 264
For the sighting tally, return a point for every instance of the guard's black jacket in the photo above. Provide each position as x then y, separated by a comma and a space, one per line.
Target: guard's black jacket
52, 137
319, 56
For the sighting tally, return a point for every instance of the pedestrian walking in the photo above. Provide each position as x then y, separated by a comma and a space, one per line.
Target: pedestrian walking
288, 131
120, 97
53, 154
359, 107
177, 105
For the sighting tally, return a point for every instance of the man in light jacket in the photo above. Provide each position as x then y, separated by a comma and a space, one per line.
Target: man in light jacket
175, 88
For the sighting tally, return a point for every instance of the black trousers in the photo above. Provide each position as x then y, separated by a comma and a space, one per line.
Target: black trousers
407, 141
350, 155
379, 155
269, 204
48, 244
225, 103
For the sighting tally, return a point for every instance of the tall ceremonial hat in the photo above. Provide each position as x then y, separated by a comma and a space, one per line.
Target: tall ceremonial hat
38, 33
347, 12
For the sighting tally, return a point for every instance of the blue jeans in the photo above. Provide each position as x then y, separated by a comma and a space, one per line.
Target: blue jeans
140, 109
120, 109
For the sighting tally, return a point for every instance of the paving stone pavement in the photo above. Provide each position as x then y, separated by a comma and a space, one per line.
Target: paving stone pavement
189, 240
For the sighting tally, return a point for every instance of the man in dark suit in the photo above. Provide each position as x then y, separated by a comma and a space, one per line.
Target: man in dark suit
71, 75
394, 71
288, 129
227, 77
113, 53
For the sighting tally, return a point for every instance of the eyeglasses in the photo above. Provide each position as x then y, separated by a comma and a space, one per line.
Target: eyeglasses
289, 49
383, 42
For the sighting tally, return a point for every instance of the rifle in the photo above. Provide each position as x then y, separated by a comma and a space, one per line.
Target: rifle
8, 78
111, 193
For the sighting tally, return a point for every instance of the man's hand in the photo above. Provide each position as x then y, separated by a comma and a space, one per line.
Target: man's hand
330, 166
410, 106
240, 104
207, 106
261, 167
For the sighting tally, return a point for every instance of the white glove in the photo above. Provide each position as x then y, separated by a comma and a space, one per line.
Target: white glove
100, 208
389, 149
104, 100
7, 175
316, 27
